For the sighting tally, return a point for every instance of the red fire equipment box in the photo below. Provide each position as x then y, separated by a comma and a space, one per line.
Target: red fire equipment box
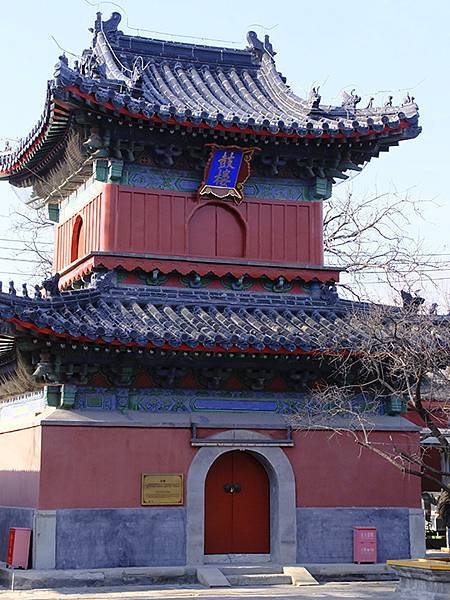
364, 545
18, 548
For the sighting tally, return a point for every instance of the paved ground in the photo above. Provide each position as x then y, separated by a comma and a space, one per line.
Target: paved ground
328, 591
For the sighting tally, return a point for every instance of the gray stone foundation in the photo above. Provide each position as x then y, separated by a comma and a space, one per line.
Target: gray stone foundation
325, 535
147, 537
133, 537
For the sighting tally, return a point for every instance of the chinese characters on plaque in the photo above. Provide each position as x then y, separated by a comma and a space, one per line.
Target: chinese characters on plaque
227, 170
162, 489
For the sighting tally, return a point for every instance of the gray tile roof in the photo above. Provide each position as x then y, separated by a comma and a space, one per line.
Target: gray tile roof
197, 85
217, 85
186, 318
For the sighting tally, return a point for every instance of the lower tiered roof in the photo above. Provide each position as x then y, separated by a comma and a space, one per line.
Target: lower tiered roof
201, 319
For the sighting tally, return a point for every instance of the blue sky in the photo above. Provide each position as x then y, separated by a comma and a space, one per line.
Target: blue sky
379, 47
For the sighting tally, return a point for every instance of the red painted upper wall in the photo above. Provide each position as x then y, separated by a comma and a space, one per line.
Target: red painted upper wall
133, 221
101, 467
20, 460
332, 470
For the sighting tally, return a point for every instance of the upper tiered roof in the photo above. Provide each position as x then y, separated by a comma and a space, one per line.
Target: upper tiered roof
234, 90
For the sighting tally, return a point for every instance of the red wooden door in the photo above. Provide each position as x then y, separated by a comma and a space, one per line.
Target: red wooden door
237, 518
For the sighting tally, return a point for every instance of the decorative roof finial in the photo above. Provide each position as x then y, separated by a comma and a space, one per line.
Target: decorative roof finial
268, 46
389, 101
259, 46
51, 286
314, 98
329, 293
410, 301
370, 103
104, 280
350, 101
255, 43
433, 309
12, 289
109, 27
408, 99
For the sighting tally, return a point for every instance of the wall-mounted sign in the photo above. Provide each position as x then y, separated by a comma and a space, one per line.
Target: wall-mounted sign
162, 489
227, 169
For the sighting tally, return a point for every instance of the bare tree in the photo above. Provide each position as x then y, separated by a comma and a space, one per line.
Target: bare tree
33, 228
30, 222
372, 235
392, 356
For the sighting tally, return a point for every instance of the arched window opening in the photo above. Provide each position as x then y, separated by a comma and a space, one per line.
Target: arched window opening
77, 239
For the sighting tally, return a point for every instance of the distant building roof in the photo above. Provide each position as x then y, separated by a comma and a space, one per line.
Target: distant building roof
199, 86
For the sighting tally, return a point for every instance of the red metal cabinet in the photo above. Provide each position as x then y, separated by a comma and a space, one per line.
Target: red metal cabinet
18, 548
364, 545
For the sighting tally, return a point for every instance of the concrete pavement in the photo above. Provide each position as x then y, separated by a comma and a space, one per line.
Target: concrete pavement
184, 575
327, 591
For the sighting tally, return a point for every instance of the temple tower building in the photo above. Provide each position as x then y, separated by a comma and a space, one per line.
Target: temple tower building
190, 315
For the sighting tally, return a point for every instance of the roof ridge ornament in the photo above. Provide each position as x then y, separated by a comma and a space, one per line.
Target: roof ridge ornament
258, 47
51, 285
409, 100
350, 100
314, 99
104, 281
109, 27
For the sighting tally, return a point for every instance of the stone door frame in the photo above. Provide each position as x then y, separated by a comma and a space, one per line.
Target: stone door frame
283, 514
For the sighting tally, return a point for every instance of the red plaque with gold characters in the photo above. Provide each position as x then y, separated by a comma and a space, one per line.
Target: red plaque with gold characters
227, 169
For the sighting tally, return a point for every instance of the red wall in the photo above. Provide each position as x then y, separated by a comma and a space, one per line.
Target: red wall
333, 470
90, 239
20, 467
101, 467
129, 220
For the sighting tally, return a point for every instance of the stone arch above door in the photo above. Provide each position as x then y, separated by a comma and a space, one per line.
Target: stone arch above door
282, 496
215, 229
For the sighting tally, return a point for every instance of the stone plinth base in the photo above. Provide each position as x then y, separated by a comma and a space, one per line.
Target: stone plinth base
422, 579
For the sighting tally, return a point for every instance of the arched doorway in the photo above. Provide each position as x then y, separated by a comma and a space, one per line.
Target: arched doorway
283, 514
237, 506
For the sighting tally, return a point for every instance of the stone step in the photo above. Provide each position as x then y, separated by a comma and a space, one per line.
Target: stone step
268, 568
237, 559
211, 577
259, 579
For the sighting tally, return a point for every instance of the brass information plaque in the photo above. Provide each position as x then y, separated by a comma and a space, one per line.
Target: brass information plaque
162, 489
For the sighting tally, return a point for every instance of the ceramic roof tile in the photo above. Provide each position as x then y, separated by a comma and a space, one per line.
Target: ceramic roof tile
184, 318
194, 84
